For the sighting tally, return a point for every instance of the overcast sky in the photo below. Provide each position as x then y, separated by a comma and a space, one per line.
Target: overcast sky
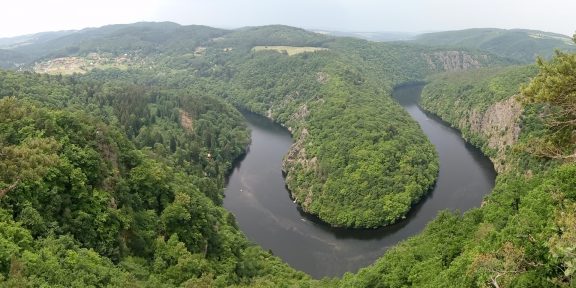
30, 16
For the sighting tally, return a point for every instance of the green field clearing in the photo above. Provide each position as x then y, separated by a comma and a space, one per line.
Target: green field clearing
290, 50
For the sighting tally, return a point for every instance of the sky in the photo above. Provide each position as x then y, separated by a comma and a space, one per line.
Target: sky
30, 16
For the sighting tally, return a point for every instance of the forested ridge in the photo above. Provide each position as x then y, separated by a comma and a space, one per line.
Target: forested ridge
114, 177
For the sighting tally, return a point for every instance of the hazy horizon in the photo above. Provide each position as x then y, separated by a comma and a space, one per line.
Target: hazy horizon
410, 16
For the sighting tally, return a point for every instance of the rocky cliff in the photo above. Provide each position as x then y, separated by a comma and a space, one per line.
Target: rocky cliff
453, 60
499, 125
482, 104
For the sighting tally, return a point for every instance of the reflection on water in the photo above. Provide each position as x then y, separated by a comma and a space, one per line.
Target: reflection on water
257, 196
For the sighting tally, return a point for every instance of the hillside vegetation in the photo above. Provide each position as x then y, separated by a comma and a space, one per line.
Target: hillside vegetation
115, 177
482, 105
518, 44
114, 183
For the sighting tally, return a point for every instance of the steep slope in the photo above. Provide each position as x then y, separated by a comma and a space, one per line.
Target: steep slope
521, 45
479, 104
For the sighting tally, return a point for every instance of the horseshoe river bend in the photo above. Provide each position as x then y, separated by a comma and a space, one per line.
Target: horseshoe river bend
257, 196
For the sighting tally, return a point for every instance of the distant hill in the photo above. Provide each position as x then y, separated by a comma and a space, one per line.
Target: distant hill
372, 36
160, 39
37, 38
12, 59
519, 44
144, 37
271, 35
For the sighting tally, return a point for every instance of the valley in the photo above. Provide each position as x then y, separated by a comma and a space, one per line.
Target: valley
115, 172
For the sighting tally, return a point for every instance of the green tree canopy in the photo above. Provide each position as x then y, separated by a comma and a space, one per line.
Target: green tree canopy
554, 88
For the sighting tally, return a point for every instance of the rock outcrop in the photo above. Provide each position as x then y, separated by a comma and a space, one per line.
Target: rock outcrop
453, 60
298, 159
499, 125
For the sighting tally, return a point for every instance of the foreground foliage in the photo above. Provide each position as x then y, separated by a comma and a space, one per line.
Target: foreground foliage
103, 184
554, 89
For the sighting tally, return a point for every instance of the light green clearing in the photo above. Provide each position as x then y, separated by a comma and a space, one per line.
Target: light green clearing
290, 50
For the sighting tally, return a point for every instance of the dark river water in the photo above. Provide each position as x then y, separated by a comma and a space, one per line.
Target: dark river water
257, 196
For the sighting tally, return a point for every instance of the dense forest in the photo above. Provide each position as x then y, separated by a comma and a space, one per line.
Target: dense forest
114, 176
115, 183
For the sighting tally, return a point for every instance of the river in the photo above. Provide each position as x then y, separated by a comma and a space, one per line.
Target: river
257, 196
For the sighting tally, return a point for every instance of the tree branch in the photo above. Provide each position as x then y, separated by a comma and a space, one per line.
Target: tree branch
9, 188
